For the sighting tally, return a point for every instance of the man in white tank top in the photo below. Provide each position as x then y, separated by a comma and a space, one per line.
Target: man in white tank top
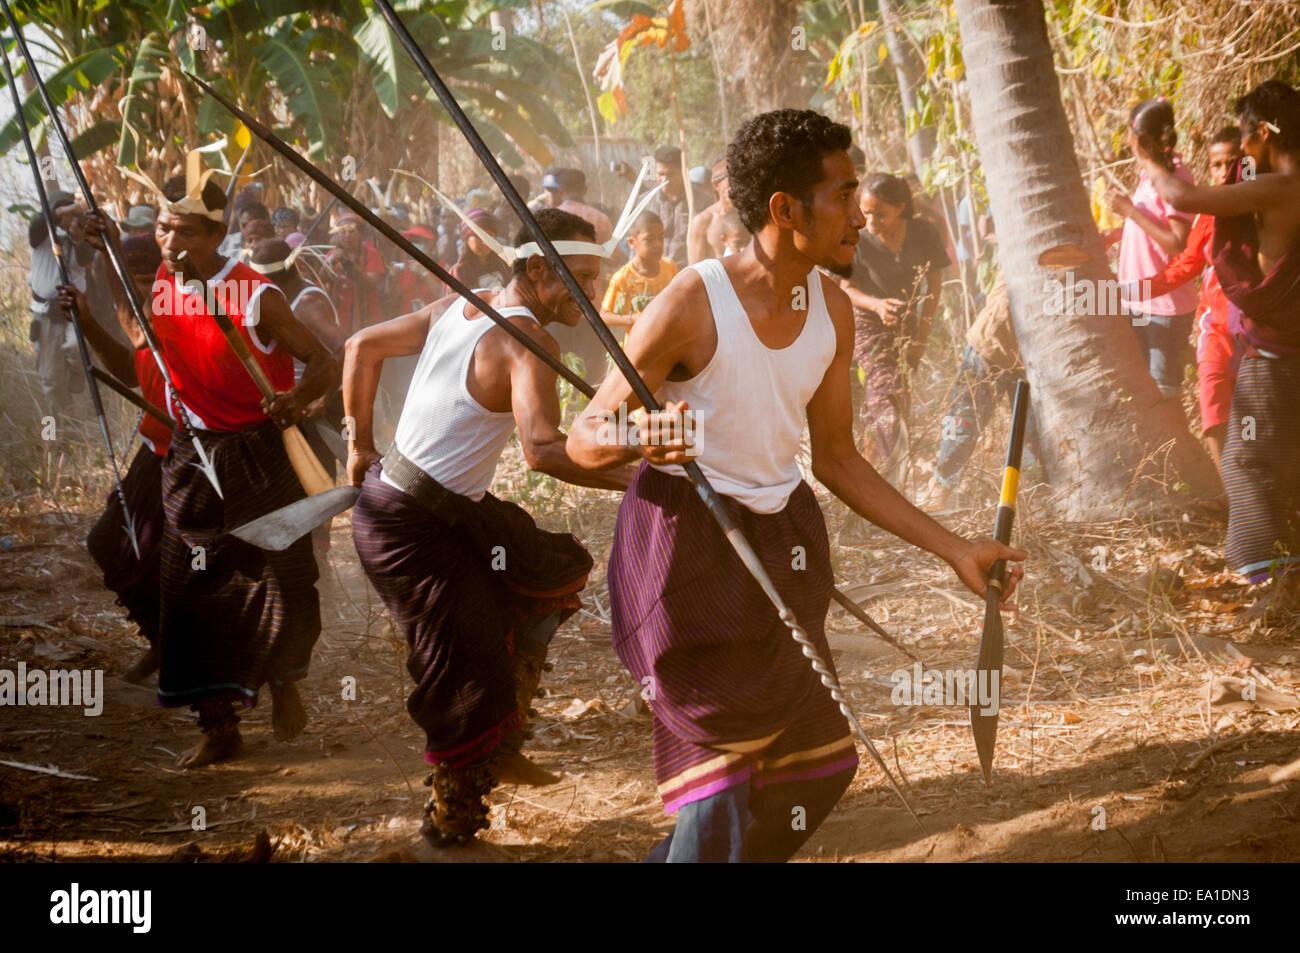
745, 735
477, 587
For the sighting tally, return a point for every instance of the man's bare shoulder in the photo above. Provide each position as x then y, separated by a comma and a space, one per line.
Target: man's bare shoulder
678, 304
839, 307
837, 301
501, 339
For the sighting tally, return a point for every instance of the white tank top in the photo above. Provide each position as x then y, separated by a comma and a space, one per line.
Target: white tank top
443, 430
749, 400
299, 366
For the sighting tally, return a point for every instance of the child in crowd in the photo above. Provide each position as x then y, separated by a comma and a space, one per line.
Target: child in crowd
634, 286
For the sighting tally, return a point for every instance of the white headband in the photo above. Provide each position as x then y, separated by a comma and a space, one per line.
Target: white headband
275, 267
631, 209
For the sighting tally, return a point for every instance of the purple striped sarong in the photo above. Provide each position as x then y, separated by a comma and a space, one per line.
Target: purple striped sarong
1261, 468
464, 584
134, 580
233, 616
719, 667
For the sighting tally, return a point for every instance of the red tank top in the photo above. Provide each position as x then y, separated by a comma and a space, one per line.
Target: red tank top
213, 385
153, 431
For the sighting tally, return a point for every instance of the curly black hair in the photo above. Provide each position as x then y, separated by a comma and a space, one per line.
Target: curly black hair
556, 225
1275, 102
780, 151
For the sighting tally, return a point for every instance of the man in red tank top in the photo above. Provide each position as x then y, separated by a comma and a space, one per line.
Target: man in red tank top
233, 617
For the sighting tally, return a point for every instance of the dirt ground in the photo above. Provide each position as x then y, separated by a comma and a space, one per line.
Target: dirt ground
1124, 736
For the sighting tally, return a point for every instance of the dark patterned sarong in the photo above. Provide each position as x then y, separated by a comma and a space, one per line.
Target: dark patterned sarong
1261, 467
880, 352
464, 584
720, 671
233, 616
133, 579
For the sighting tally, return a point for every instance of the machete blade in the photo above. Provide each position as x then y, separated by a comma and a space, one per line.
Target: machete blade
280, 529
333, 440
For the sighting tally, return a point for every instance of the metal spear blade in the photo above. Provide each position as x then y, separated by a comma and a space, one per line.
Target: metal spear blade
988, 672
208, 469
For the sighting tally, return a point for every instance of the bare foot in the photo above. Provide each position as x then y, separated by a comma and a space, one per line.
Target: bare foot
217, 746
288, 717
144, 666
515, 768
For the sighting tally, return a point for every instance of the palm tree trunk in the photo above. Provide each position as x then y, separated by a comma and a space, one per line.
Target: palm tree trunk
1110, 440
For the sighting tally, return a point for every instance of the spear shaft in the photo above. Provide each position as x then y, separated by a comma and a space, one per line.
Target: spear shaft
82, 351
705, 490
340, 194
110, 246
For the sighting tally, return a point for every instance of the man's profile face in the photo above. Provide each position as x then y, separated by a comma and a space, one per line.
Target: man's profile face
832, 220
194, 235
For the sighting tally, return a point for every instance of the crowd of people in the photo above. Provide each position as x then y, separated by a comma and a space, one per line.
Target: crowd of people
745, 292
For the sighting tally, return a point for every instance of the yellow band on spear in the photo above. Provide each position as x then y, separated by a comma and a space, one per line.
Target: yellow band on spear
1010, 483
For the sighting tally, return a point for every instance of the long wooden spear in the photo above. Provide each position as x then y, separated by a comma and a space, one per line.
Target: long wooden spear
82, 351
114, 253
283, 524
706, 491
393, 235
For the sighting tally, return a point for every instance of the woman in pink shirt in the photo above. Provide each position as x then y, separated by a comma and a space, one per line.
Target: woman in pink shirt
1153, 233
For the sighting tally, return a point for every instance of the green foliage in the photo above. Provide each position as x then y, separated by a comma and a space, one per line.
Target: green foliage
647, 83
73, 79
294, 60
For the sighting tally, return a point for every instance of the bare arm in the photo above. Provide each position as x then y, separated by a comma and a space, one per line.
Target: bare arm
1171, 237
667, 335
318, 318
536, 406
363, 361
1261, 194
115, 356
697, 237
890, 310
838, 465
99, 231
321, 371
